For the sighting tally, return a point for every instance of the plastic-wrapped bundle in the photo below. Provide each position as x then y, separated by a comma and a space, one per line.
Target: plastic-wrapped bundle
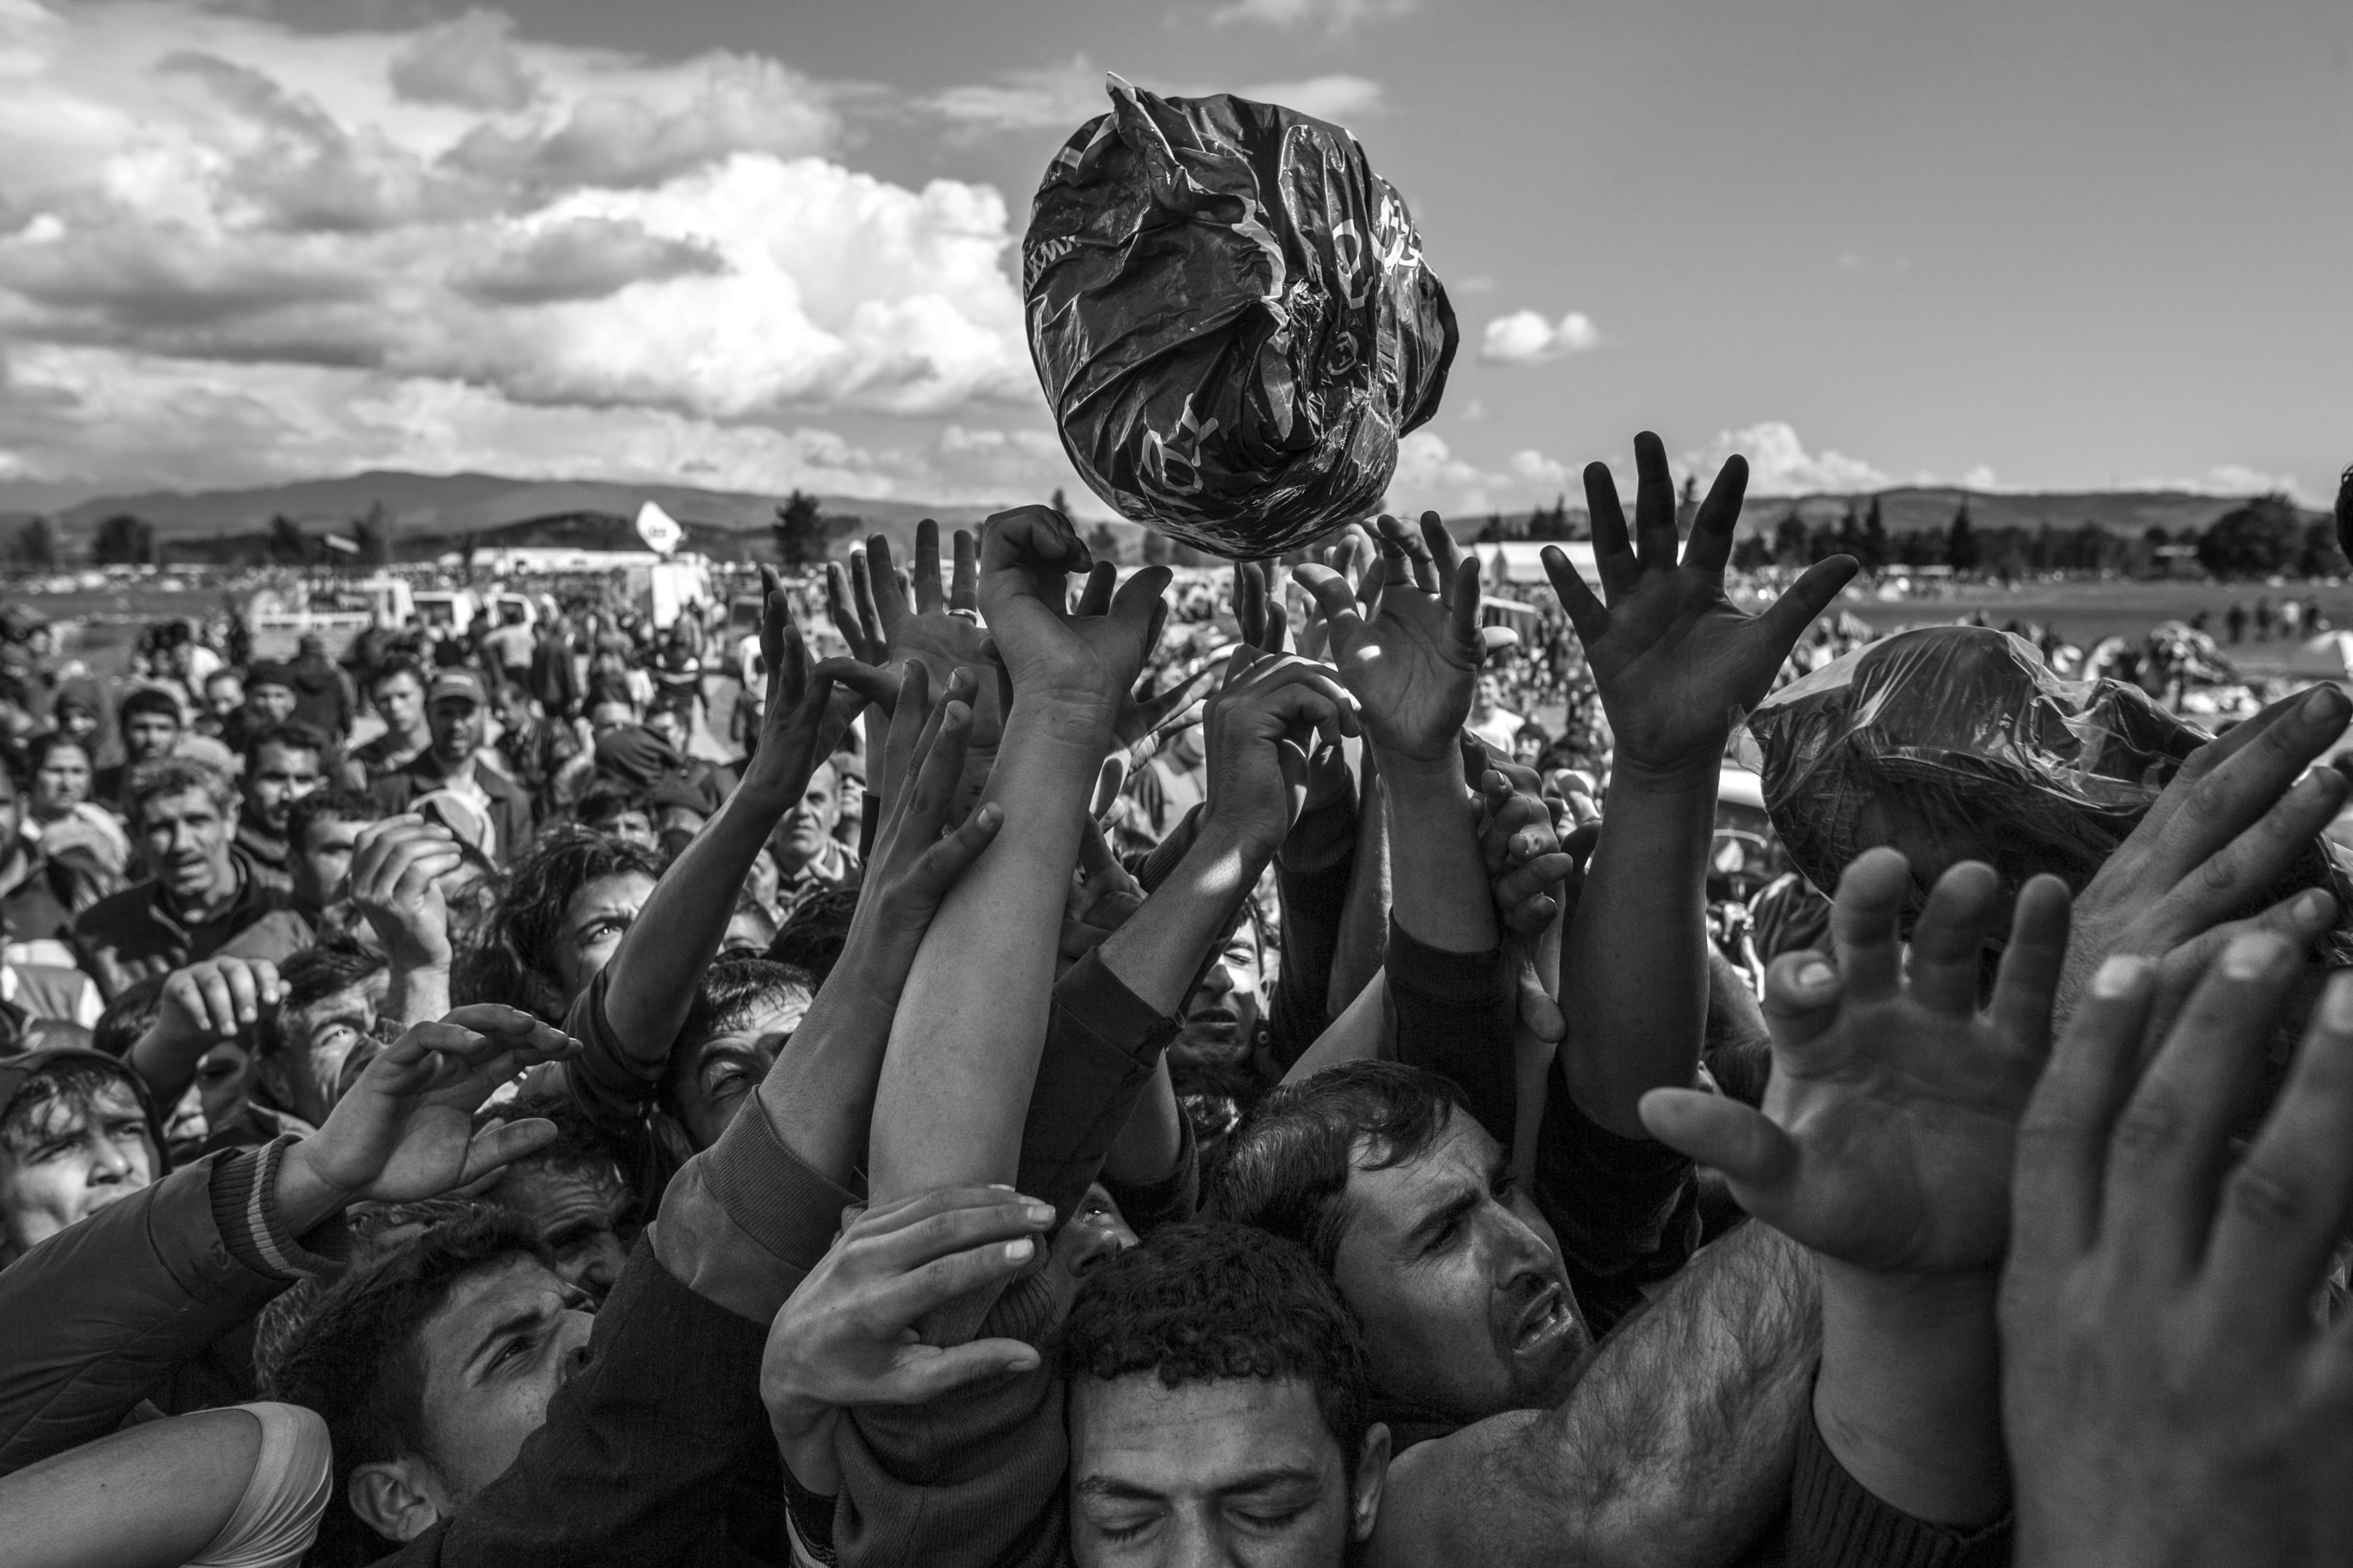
1231, 316
1958, 743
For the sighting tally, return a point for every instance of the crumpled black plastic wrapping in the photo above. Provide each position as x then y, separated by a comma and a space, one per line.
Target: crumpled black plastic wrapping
1958, 742
1231, 317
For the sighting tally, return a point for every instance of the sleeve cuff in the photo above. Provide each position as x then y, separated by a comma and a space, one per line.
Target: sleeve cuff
244, 1208
1835, 1520
1467, 979
769, 1195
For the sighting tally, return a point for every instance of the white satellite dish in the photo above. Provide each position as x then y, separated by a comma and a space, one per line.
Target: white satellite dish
659, 529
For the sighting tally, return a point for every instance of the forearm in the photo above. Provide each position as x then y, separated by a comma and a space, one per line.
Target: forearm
1354, 1036
1149, 1146
964, 1043
1161, 951
674, 937
1313, 889
190, 1473
417, 993
1908, 1399
819, 1095
1364, 918
1439, 888
1634, 986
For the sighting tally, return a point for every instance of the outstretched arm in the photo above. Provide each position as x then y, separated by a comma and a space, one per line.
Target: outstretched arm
1677, 665
661, 962
964, 1043
1676, 1446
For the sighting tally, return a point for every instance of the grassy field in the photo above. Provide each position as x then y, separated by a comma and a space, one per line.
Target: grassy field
2085, 613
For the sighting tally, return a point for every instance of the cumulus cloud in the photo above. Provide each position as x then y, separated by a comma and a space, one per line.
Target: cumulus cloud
1332, 16
1431, 475
1533, 469
468, 62
1779, 465
1525, 337
566, 240
1065, 96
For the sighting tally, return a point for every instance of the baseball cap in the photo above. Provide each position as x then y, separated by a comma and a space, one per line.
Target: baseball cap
462, 683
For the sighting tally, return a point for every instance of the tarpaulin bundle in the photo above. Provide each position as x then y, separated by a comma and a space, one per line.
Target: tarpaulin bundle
1231, 317
1958, 743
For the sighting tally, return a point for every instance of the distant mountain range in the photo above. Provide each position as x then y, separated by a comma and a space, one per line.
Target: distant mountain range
438, 512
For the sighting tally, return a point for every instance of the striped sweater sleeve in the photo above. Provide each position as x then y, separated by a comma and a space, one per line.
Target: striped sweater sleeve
245, 1207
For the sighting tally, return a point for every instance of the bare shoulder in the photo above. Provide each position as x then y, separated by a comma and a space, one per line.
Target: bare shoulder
1472, 1495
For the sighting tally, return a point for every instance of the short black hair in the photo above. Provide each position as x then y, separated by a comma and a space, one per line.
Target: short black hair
1212, 1299
732, 988
606, 798
311, 977
392, 667
812, 936
329, 805
149, 699
293, 736
1286, 1167
581, 1143
354, 1359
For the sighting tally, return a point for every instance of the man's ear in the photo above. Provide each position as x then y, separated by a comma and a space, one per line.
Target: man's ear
1372, 1470
392, 1497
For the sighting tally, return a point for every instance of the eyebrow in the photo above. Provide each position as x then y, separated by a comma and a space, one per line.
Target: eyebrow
520, 1321
1438, 1219
1255, 1482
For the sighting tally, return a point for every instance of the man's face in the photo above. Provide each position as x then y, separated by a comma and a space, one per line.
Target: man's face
72, 1158
80, 722
187, 839
400, 703
1221, 1016
457, 725
600, 916
323, 860
1235, 1470
280, 776
272, 702
672, 726
584, 1217
494, 1355
224, 1082
1458, 1279
149, 735
224, 694
713, 1075
809, 825
328, 1043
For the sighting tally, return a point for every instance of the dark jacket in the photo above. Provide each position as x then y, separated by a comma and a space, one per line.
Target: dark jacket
323, 698
96, 1317
135, 933
513, 818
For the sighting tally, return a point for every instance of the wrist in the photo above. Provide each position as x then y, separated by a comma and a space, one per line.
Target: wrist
1688, 775
1406, 777
305, 1197
1253, 837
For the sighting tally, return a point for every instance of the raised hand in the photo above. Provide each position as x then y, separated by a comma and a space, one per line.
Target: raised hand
1677, 663
1413, 663
214, 1000
809, 705
916, 860
2228, 827
396, 868
1527, 860
1261, 727
1089, 657
891, 618
2168, 1393
1886, 1134
405, 1130
846, 1336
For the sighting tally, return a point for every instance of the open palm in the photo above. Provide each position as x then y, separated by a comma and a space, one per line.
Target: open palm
1414, 663
1677, 663
1886, 1135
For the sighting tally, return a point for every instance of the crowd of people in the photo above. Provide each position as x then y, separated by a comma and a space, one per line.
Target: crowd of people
1052, 1099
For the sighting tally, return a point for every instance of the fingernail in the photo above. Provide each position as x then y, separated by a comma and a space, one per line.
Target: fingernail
2324, 700
2250, 955
1019, 1251
2313, 906
2336, 1006
2117, 976
1815, 975
1038, 1213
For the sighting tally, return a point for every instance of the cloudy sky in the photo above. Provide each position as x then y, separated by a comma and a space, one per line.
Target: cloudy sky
763, 243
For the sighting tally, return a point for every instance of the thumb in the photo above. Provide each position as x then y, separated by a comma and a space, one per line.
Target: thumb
499, 1144
1132, 607
1724, 1134
961, 1366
